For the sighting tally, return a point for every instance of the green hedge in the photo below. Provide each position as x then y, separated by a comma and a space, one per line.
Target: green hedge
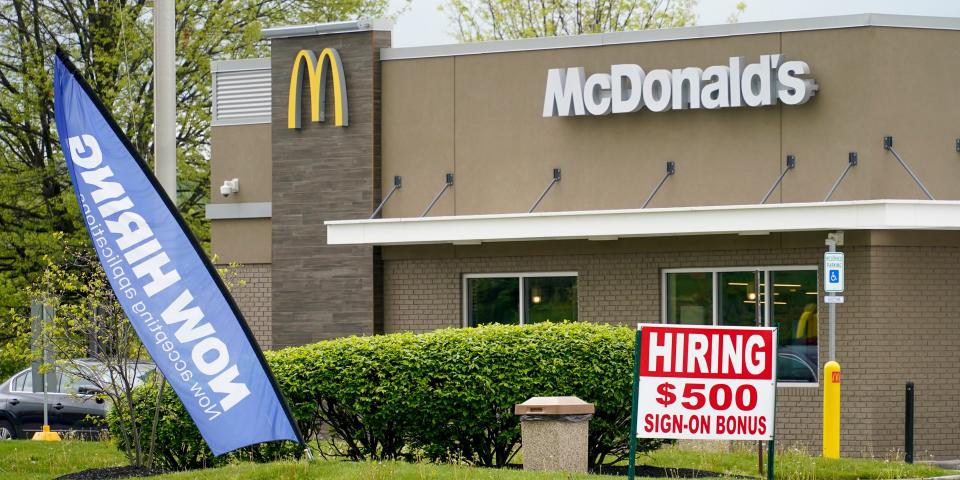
443, 396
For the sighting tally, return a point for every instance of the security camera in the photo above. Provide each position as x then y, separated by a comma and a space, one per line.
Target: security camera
229, 187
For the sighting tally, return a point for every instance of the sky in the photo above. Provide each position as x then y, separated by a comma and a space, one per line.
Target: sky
424, 24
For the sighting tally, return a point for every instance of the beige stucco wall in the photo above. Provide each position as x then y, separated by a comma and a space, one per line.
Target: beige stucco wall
479, 116
242, 152
244, 240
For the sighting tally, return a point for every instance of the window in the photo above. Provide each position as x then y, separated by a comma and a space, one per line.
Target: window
71, 383
690, 298
519, 298
737, 296
23, 382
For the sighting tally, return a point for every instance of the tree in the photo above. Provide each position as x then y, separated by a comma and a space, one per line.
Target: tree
112, 44
480, 20
97, 347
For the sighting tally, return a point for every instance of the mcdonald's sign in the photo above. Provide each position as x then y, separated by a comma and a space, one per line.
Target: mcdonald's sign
318, 69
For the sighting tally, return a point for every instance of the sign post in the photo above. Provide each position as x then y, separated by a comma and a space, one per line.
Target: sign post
704, 383
42, 314
833, 283
833, 277
631, 471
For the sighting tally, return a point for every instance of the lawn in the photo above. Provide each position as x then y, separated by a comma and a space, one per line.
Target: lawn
792, 465
42, 460
25, 459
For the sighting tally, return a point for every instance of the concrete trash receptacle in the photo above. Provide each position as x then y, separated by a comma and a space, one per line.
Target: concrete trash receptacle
554, 433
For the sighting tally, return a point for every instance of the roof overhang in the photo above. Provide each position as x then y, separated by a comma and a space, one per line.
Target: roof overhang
653, 222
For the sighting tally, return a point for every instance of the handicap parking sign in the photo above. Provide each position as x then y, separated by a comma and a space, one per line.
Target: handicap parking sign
833, 266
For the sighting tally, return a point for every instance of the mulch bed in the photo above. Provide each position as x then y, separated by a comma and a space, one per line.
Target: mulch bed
110, 472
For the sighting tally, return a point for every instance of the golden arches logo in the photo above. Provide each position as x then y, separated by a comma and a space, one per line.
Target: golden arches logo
318, 69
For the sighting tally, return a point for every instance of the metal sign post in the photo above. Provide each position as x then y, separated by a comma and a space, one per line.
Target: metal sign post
42, 314
833, 272
833, 283
772, 443
758, 317
631, 470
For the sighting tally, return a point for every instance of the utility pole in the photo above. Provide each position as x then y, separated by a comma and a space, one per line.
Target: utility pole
164, 127
165, 97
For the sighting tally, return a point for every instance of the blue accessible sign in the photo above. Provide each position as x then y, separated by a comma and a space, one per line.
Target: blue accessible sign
833, 267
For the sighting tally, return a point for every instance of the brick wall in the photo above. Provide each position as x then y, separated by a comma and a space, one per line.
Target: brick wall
253, 298
899, 322
909, 331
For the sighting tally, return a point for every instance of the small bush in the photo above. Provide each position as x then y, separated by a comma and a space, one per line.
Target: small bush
445, 396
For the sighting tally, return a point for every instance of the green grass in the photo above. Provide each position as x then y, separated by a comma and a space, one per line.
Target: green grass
43, 460
790, 465
25, 459
368, 471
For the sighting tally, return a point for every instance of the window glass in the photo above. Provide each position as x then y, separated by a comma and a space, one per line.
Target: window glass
23, 382
494, 300
142, 373
738, 298
795, 315
549, 298
690, 298
70, 383
793, 310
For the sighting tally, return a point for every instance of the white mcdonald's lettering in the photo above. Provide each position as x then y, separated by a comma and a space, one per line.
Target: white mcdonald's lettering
628, 88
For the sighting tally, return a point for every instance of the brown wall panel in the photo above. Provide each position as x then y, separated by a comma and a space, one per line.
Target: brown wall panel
822, 132
915, 98
873, 81
246, 240
506, 149
242, 152
425, 141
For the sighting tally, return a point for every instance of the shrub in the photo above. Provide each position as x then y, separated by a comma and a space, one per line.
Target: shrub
446, 395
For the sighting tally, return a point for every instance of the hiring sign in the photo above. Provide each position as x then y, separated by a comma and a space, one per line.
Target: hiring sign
706, 383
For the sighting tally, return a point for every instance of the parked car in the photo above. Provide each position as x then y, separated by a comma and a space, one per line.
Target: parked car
72, 400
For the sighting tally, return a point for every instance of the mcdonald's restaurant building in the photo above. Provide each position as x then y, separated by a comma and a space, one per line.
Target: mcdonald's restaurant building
689, 175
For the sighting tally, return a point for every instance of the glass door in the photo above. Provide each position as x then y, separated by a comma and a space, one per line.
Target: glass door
794, 313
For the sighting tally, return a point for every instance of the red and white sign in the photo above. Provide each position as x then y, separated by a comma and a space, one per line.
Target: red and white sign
706, 383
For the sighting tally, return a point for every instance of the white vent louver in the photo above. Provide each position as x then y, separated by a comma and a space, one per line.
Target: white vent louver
241, 91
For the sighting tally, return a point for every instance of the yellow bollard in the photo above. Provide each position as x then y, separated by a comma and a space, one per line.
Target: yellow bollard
46, 435
831, 410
